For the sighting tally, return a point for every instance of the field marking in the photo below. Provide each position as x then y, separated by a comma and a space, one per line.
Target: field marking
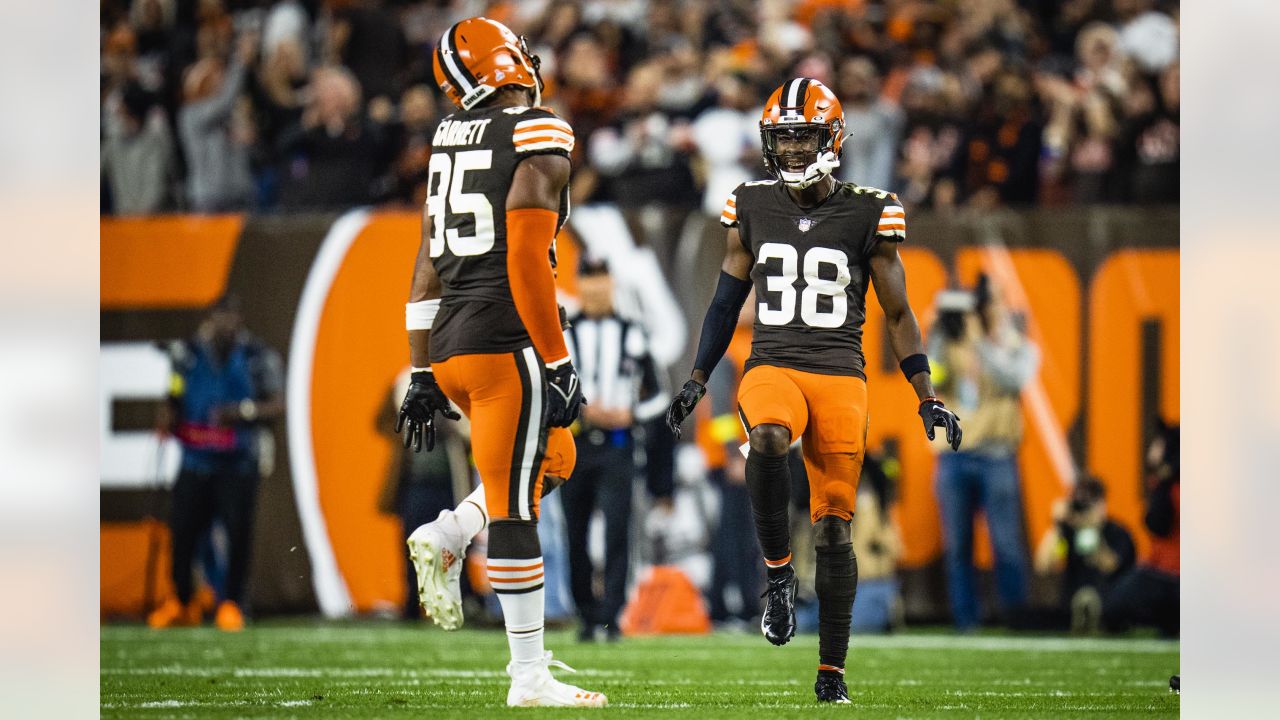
331, 672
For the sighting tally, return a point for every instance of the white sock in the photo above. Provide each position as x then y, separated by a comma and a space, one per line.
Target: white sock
471, 513
522, 611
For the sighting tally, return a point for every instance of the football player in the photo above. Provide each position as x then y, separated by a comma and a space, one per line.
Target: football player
485, 333
810, 245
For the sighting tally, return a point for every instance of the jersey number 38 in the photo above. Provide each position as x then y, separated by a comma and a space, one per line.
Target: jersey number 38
446, 199
783, 310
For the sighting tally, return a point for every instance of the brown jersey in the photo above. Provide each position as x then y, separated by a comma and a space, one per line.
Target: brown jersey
474, 155
811, 271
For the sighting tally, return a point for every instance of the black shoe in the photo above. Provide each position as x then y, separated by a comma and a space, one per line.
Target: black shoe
830, 688
779, 621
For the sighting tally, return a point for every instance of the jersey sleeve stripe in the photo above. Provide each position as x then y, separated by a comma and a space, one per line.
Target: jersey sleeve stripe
543, 124
534, 135
547, 145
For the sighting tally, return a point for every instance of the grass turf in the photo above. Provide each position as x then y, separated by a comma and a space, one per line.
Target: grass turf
387, 670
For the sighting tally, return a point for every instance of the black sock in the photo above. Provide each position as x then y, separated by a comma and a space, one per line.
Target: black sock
836, 583
769, 485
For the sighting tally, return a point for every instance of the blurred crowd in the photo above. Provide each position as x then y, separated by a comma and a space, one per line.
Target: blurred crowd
219, 105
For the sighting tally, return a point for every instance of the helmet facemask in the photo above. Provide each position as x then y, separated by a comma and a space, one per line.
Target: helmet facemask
800, 153
535, 63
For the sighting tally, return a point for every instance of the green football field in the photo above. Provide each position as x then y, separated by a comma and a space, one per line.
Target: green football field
390, 670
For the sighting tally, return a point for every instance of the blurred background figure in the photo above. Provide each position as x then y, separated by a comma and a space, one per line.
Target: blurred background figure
421, 484
1148, 594
138, 159
218, 131
619, 380
736, 575
334, 153
873, 126
877, 544
225, 384
982, 361
1090, 549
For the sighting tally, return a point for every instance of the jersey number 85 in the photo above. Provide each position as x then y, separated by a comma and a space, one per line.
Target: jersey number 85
446, 200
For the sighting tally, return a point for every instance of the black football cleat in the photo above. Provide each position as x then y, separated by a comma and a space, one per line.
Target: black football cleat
830, 688
779, 621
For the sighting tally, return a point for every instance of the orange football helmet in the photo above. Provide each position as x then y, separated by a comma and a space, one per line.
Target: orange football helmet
803, 108
477, 56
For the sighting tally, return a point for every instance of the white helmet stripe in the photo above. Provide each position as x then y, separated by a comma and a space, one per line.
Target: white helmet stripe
793, 88
451, 66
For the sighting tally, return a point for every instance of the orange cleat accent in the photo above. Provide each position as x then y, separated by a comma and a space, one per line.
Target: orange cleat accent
229, 618
172, 613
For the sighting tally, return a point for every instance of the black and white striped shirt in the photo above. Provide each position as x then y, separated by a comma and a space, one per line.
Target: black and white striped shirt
611, 355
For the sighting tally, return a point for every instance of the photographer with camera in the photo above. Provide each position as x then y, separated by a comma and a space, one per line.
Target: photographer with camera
981, 360
1089, 548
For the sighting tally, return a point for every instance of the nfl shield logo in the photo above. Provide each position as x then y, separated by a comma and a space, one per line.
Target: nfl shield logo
804, 224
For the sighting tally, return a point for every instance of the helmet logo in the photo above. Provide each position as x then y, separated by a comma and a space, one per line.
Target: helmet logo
499, 75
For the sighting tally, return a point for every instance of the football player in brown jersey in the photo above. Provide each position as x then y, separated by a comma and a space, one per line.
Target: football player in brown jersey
811, 246
485, 333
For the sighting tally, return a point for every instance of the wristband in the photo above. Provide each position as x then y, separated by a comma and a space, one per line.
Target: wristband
421, 315
913, 364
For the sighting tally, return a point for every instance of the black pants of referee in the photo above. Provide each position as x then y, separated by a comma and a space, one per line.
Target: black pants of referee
602, 479
229, 492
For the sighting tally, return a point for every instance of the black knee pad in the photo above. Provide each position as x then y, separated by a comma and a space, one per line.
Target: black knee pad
831, 531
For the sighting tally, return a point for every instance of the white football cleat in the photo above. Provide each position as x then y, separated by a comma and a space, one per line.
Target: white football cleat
437, 550
533, 686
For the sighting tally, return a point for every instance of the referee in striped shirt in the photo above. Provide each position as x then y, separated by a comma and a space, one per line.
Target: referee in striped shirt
620, 381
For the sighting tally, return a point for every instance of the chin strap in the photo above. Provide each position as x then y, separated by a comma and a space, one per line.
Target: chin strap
820, 168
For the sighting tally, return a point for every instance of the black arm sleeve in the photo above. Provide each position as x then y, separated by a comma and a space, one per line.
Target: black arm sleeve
721, 319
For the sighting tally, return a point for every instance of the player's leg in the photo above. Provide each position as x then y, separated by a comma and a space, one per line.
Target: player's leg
578, 499
773, 409
1002, 501
237, 495
190, 512
437, 548
508, 441
957, 503
834, 446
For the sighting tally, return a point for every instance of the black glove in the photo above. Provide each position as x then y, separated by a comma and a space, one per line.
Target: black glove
683, 403
421, 403
935, 415
564, 395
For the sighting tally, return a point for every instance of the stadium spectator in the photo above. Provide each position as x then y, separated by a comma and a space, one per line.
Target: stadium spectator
643, 161
727, 137
412, 132
218, 132
617, 373
225, 383
138, 161
982, 361
877, 544
334, 155
1089, 548
1148, 594
960, 72
366, 37
873, 124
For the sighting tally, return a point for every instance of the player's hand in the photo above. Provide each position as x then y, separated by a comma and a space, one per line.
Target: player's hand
564, 395
934, 414
683, 403
418, 411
